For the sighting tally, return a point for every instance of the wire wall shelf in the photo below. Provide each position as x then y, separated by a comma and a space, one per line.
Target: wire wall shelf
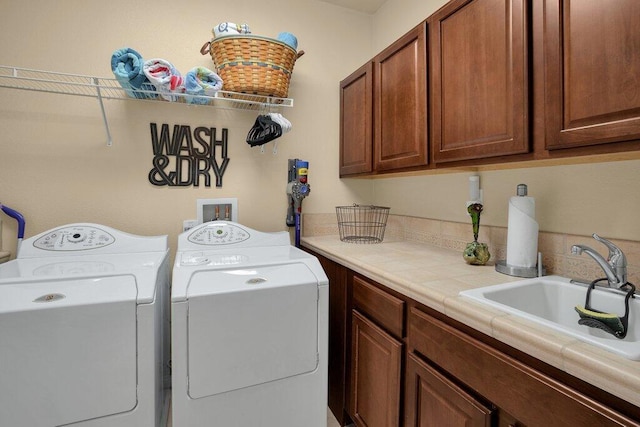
106, 88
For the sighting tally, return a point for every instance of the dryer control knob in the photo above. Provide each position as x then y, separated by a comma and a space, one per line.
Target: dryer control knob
76, 237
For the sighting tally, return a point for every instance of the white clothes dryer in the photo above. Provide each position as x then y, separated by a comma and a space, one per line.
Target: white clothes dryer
249, 330
82, 313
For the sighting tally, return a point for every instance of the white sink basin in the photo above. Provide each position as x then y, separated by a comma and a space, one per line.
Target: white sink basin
550, 301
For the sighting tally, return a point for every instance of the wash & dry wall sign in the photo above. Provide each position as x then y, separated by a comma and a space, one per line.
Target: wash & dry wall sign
184, 158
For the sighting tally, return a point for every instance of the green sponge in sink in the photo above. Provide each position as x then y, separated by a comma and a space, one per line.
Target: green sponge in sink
606, 321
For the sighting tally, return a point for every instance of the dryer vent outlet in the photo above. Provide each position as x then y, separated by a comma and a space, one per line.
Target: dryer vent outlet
217, 210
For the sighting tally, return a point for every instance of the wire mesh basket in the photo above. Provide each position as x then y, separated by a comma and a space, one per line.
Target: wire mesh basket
362, 224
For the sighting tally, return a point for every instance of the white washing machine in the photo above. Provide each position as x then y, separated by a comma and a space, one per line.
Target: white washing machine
81, 329
249, 330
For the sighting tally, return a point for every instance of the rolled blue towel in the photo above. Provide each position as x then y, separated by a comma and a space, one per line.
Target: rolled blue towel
201, 81
127, 66
289, 39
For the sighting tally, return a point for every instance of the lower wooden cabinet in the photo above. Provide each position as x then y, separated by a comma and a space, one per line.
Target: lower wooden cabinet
376, 359
535, 398
386, 309
339, 338
395, 362
432, 400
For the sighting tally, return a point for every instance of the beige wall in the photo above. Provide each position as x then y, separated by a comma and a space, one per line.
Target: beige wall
396, 17
56, 168
575, 199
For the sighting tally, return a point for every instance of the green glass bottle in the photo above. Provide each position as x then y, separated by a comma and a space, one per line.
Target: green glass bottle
476, 253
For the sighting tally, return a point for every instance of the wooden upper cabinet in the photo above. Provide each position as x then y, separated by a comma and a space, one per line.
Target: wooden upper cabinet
356, 127
400, 103
592, 72
479, 79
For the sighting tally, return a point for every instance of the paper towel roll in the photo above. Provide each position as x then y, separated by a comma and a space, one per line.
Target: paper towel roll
522, 232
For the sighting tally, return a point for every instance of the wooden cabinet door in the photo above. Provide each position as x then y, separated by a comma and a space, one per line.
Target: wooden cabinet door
507, 420
530, 395
400, 103
356, 127
432, 400
479, 79
375, 375
338, 345
385, 309
592, 72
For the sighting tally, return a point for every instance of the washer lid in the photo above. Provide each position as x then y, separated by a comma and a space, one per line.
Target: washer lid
249, 327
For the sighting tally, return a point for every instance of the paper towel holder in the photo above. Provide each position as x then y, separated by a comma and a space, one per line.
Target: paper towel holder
526, 272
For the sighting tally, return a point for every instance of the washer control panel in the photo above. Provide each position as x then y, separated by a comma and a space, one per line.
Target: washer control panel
218, 234
74, 238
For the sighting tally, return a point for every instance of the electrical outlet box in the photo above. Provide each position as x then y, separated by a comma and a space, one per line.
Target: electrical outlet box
217, 209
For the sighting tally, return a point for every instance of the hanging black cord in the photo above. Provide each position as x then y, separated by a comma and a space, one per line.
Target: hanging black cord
624, 319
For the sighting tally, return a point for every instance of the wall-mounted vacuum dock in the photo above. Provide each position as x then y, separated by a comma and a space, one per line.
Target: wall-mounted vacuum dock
297, 189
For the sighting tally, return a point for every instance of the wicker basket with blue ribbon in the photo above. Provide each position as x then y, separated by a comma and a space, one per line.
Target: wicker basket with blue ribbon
253, 64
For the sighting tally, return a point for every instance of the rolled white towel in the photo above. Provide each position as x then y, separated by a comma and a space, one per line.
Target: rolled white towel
165, 77
228, 28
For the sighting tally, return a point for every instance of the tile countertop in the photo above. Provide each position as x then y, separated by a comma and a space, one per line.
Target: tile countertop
434, 276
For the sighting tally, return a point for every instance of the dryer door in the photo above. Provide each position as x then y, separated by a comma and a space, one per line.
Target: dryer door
67, 350
251, 326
